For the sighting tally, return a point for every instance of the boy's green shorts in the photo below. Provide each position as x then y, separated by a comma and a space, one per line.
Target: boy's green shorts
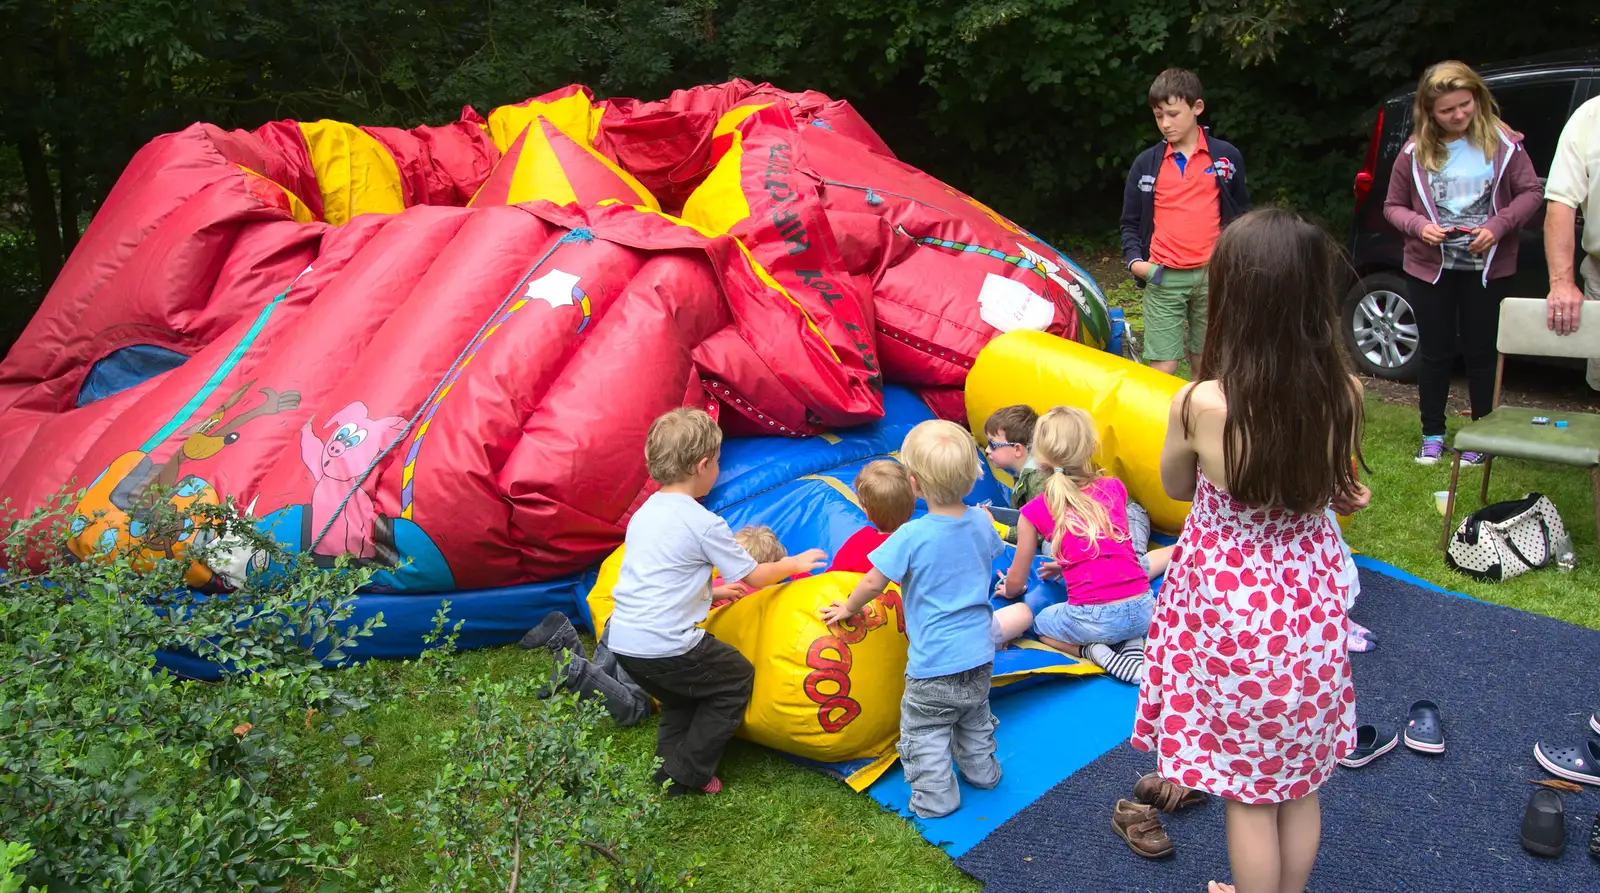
1177, 303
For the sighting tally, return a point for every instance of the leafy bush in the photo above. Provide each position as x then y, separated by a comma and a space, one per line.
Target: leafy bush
13, 855
122, 777
118, 773
532, 801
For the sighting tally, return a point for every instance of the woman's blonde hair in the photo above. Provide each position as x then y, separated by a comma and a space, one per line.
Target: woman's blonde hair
1448, 77
1065, 439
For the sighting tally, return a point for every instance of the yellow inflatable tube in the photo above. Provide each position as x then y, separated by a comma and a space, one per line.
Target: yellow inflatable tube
823, 692
1129, 403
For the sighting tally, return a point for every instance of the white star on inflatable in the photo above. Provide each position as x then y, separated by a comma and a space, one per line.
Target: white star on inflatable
554, 288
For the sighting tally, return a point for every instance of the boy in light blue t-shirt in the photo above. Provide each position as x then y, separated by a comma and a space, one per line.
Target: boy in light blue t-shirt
942, 562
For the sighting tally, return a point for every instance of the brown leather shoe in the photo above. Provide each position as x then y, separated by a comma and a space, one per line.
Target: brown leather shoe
1166, 795
1140, 827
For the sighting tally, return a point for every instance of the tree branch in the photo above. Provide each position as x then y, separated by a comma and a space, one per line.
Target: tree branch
516, 850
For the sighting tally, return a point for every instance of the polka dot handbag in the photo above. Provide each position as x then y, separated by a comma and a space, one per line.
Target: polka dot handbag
1506, 539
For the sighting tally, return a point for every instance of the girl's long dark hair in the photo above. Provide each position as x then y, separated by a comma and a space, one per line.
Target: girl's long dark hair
1293, 433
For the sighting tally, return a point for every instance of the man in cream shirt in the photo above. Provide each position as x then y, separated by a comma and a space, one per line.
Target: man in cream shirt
1574, 185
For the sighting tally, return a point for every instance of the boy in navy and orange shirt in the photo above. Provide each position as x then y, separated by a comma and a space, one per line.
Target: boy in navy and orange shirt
1181, 192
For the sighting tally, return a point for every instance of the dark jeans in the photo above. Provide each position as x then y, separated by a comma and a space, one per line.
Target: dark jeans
703, 694
1458, 302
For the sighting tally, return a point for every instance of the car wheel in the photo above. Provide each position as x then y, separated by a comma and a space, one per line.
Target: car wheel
1380, 327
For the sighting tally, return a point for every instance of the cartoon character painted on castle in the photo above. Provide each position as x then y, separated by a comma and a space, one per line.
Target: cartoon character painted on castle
335, 465
340, 518
117, 511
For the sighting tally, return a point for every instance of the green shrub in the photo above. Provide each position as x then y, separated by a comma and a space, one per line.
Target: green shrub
125, 778
120, 776
525, 794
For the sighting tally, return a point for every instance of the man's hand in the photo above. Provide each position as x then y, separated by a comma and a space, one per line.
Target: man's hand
1433, 234
837, 612
1482, 241
1352, 502
1143, 269
1563, 308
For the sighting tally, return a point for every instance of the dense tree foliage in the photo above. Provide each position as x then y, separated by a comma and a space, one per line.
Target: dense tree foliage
1036, 106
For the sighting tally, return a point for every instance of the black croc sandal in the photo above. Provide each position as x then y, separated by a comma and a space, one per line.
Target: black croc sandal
1371, 743
1544, 825
1580, 763
1594, 839
1425, 728
1594, 722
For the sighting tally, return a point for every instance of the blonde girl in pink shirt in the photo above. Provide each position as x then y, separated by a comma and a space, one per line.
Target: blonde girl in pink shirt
1085, 516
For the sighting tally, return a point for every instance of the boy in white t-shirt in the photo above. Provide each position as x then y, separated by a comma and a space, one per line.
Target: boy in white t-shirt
663, 593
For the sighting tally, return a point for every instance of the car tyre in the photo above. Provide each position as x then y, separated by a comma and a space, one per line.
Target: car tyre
1380, 327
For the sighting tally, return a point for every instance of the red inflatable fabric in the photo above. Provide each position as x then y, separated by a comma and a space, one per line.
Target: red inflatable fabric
459, 395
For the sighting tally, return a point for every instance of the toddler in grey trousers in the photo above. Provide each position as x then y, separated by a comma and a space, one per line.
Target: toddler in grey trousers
943, 562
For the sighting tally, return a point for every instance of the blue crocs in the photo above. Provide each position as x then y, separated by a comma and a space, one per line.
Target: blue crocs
1580, 763
1371, 743
1425, 728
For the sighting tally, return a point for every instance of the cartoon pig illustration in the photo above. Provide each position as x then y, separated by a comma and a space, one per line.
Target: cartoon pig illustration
335, 465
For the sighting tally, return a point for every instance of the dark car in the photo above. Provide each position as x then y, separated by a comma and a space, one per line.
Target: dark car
1536, 96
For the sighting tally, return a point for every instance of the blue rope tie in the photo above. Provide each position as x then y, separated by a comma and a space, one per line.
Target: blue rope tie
875, 197
578, 234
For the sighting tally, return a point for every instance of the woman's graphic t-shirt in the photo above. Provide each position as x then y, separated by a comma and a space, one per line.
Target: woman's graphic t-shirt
1462, 191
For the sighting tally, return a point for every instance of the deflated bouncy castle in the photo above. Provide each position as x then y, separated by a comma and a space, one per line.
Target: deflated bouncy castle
438, 350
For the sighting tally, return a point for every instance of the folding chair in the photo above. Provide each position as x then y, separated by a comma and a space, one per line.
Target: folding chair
1509, 431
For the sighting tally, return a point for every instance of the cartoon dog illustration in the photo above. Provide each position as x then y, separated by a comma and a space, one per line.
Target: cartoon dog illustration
116, 511
205, 439
335, 465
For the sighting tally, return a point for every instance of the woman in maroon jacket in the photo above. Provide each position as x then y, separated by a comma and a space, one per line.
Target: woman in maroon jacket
1462, 186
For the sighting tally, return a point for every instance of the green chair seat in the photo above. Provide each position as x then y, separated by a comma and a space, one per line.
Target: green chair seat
1509, 432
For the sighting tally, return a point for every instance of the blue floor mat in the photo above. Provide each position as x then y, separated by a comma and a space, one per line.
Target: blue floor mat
1034, 754
1503, 678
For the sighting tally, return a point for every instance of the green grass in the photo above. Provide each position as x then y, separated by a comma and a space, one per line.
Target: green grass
778, 827
1122, 293
1402, 527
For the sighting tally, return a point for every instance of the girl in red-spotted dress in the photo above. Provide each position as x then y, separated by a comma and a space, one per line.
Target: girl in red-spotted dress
1247, 691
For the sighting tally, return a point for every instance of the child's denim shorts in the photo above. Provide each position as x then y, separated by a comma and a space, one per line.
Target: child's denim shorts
1088, 624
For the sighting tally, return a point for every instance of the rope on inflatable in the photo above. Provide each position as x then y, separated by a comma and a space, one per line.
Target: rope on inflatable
1091, 313
222, 370
408, 468
580, 234
874, 197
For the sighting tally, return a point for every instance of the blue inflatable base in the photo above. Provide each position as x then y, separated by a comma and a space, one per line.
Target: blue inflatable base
492, 617
799, 487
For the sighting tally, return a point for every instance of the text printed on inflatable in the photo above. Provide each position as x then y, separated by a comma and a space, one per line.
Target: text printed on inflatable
829, 660
780, 190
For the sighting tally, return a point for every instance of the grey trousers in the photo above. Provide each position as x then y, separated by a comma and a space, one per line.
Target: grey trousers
940, 718
626, 701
